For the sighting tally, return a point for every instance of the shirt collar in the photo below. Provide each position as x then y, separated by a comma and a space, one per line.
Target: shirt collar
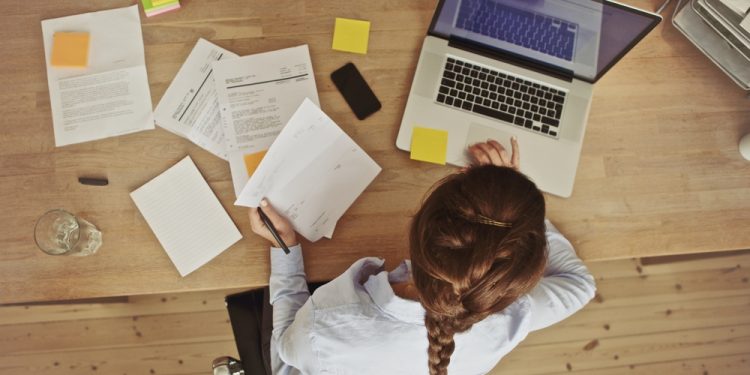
379, 288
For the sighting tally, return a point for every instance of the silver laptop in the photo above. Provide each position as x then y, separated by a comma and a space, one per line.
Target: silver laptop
501, 68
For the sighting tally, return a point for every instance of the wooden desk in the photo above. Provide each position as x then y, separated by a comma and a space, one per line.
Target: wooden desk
660, 171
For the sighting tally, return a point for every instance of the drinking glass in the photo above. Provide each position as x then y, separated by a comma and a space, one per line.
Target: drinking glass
59, 232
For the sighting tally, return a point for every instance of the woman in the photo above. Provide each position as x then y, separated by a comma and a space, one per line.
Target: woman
485, 270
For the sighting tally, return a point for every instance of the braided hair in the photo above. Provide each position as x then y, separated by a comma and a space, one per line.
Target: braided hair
465, 268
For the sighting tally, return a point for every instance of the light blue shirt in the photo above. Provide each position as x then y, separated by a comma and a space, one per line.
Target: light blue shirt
355, 324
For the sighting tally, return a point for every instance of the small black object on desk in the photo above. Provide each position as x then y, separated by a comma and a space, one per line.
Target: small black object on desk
93, 181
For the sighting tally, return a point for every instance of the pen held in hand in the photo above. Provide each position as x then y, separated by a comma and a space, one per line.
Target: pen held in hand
267, 222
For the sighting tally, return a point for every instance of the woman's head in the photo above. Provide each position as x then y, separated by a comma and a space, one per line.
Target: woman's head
477, 244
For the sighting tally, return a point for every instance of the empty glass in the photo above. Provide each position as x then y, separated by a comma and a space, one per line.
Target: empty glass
59, 232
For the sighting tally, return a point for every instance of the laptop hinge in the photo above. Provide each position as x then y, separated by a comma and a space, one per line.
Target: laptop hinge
511, 58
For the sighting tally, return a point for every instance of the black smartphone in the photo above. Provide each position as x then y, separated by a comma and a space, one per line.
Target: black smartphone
355, 90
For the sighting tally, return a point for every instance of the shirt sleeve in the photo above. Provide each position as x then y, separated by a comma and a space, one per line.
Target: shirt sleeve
566, 287
292, 315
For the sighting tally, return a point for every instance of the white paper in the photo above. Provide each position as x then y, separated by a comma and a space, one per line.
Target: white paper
312, 173
745, 24
257, 96
186, 216
189, 107
109, 97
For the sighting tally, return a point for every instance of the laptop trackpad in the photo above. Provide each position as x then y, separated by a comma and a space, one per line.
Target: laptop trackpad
481, 133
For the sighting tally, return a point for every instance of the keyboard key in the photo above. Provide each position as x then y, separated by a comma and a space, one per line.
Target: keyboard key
558, 98
474, 74
495, 105
485, 70
449, 75
551, 105
553, 133
478, 100
458, 103
493, 87
517, 103
482, 76
532, 92
518, 120
526, 105
536, 128
487, 102
459, 86
528, 115
475, 82
454, 92
485, 93
537, 117
550, 121
528, 123
444, 89
448, 82
526, 97
441, 98
504, 107
492, 113
493, 72
524, 89
462, 95
476, 91
515, 86
451, 60
545, 129
458, 62
470, 97
520, 112
542, 102
517, 95
465, 71
485, 85
512, 110
534, 107
449, 101
467, 106
547, 96
506, 84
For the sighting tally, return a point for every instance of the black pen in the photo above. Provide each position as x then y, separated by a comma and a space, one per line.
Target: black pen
272, 229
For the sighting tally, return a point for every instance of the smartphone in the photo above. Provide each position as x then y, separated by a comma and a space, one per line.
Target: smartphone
355, 90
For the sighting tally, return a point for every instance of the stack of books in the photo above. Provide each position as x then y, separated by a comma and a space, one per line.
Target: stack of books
154, 7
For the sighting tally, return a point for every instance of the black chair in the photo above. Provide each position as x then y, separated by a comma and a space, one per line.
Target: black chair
251, 316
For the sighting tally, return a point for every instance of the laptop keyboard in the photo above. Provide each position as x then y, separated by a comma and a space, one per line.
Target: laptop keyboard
539, 32
501, 96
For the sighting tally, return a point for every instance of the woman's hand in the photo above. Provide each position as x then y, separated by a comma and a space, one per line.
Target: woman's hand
282, 225
492, 152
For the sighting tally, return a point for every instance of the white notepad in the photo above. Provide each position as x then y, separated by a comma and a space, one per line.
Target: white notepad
186, 216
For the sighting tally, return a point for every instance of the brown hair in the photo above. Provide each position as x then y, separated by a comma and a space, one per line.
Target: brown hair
466, 269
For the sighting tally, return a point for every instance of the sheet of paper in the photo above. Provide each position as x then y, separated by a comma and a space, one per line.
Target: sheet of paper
312, 173
257, 96
186, 216
190, 107
111, 95
351, 35
745, 24
430, 145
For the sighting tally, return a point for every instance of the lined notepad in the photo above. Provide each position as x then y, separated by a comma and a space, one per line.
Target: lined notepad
186, 216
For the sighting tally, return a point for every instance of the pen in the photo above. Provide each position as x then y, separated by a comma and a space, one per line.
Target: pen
93, 181
272, 229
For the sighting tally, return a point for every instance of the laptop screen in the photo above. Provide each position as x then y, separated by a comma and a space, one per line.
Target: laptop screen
583, 38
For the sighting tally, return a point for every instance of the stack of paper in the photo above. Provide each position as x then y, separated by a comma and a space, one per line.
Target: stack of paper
257, 95
154, 7
189, 107
186, 216
312, 173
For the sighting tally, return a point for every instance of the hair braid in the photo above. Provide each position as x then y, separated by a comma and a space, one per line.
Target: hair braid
441, 345
466, 270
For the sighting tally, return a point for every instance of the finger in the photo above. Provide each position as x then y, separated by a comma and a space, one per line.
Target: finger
277, 220
493, 153
501, 150
515, 160
479, 155
256, 224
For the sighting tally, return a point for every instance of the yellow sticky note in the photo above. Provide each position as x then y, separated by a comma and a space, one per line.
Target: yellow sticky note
252, 161
430, 145
351, 35
70, 50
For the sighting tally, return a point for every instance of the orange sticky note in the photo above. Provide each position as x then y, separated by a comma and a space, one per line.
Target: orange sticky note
430, 145
70, 50
351, 35
252, 161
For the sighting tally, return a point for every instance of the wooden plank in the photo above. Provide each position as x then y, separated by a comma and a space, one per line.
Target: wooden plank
172, 359
72, 335
625, 351
722, 365
134, 306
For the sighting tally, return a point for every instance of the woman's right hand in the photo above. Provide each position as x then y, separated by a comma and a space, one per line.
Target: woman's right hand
282, 225
493, 153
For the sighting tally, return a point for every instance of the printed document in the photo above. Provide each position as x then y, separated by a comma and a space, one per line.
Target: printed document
257, 96
186, 217
189, 107
312, 173
110, 96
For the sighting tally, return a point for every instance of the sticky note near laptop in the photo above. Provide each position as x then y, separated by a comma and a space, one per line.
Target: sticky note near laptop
498, 68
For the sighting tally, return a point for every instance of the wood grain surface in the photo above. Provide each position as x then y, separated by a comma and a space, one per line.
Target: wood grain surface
660, 172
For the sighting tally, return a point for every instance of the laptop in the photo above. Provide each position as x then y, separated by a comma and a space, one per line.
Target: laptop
492, 69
